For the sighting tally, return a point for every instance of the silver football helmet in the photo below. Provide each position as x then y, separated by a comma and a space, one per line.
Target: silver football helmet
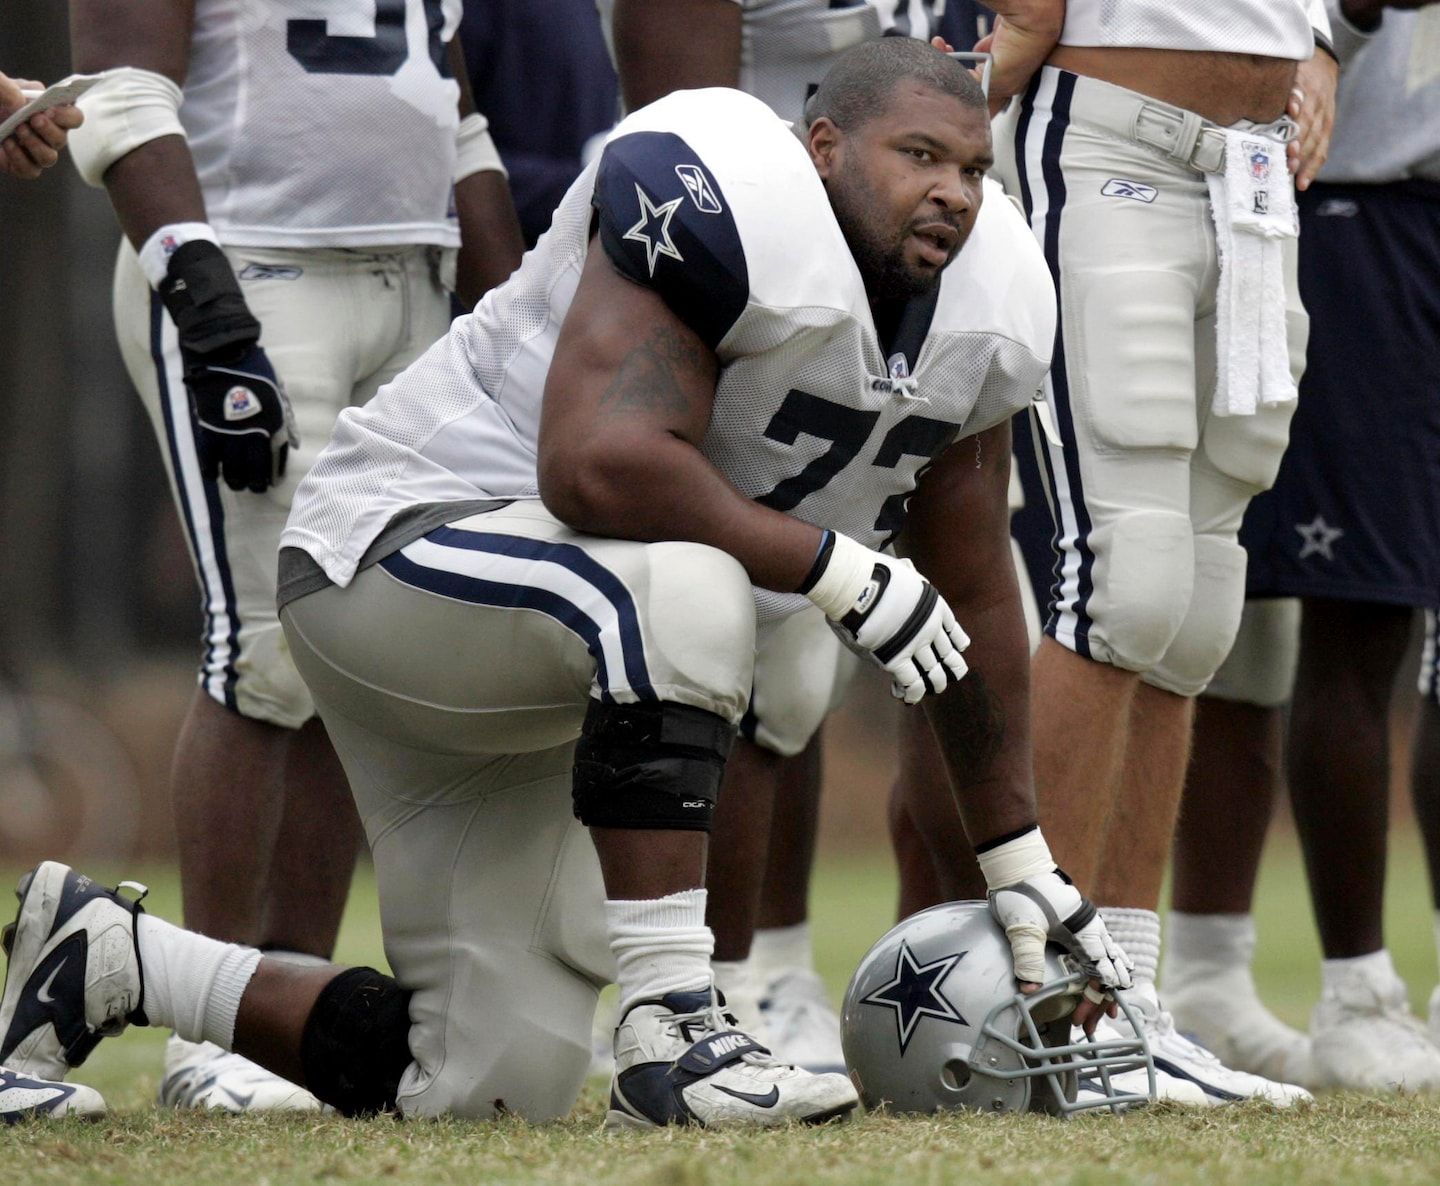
933, 1020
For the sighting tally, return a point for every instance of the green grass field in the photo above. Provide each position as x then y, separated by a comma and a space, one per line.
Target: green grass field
1343, 1139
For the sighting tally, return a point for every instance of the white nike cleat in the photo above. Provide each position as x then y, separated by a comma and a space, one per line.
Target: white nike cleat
801, 1026
24, 1098
74, 974
1224, 1013
1169, 1088
1181, 1058
679, 1061
1364, 1037
201, 1075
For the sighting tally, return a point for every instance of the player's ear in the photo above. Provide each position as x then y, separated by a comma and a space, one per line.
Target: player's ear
823, 140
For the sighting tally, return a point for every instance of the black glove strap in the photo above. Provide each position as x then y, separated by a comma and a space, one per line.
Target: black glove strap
204, 298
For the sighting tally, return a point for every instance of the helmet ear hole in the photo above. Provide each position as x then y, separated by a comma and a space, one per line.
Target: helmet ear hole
955, 1074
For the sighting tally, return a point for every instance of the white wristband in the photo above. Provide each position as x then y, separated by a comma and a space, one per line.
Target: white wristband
849, 569
159, 247
1015, 860
475, 152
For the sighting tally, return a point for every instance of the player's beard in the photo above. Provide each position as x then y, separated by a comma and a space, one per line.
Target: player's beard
880, 258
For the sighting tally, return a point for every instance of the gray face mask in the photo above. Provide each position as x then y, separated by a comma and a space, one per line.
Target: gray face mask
933, 1021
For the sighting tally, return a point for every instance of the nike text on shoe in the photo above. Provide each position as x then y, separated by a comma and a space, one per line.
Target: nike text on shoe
678, 1060
24, 1098
201, 1075
74, 975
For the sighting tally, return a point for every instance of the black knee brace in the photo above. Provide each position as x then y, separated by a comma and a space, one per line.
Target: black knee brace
649, 765
356, 1043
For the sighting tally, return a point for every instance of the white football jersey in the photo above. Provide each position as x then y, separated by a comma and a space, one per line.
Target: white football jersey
324, 123
709, 199
1269, 28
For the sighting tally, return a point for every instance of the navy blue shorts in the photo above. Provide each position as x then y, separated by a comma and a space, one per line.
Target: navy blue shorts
1355, 511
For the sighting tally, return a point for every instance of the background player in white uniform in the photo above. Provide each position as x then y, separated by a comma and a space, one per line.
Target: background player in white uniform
288, 211
1116, 148
36, 144
701, 392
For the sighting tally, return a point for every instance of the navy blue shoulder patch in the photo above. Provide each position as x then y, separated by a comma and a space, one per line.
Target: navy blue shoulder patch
665, 224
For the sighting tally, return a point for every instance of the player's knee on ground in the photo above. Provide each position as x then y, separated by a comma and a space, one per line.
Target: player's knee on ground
1260, 668
1148, 563
1208, 631
266, 685
356, 1044
649, 765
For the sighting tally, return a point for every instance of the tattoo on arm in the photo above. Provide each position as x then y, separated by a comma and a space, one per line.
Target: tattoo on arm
647, 381
976, 722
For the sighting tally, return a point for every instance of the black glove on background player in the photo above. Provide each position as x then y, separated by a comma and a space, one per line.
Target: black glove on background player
242, 418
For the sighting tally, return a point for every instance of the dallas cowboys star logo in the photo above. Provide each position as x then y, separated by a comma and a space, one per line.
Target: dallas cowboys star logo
653, 229
914, 992
1318, 536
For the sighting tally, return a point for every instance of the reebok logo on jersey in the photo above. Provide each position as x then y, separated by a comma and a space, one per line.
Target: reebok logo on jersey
698, 187
240, 404
1118, 187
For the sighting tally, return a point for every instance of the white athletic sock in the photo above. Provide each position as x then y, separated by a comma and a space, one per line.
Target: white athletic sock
742, 989
1138, 933
296, 959
1206, 944
193, 984
1375, 969
661, 945
777, 950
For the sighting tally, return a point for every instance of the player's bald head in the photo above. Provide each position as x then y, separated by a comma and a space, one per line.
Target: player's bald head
858, 87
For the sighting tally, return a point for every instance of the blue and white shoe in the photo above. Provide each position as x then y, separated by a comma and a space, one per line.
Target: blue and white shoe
24, 1098
679, 1060
201, 1075
74, 975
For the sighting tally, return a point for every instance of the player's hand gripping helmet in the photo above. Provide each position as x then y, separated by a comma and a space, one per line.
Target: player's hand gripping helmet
934, 1020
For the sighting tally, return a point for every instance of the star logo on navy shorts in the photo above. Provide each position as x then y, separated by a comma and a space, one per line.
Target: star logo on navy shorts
1318, 536
914, 992
653, 229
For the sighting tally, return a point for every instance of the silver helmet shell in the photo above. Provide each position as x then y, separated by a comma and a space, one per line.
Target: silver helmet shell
933, 1021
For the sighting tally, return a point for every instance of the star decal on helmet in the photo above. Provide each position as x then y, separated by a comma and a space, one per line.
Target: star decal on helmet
653, 229
914, 992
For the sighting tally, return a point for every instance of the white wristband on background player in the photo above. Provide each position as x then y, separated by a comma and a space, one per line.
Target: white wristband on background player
159, 247
475, 151
887, 610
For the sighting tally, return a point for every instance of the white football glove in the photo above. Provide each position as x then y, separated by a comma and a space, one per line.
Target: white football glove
882, 607
1035, 903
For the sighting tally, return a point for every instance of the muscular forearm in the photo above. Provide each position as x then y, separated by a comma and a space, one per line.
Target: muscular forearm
983, 722
155, 186
491, 242
668, 490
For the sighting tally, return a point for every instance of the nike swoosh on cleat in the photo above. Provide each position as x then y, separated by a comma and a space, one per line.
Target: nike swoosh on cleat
768, 1100
44, 993
242, 1101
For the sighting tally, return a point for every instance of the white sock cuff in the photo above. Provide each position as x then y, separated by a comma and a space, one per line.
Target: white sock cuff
661, 945
775, 950
1138, 932
1225, 940
223, 1003
633, 918
1376, 968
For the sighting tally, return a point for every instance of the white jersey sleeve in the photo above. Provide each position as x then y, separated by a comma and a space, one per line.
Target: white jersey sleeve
324, 122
